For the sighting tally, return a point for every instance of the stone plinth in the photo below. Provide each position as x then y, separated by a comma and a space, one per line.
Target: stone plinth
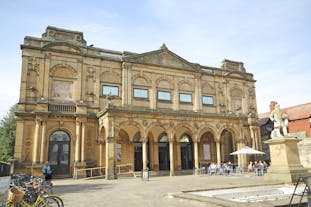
285, 162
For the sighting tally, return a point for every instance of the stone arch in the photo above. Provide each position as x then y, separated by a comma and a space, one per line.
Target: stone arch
63, 71
207, 88
207, 128
155, 129
54, 129
228, 144
110, 77
102, 134
236, 92
185, 85
183, 128
139, 80
233, 130
131, 127
164, 82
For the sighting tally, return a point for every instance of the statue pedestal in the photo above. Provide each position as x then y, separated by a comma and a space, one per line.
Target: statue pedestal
285, 162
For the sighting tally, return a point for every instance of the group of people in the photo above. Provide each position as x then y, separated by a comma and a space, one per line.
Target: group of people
223, 169
258, 167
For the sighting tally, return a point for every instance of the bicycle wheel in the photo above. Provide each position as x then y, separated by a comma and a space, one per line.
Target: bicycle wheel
9, 204
58, 199
51, 201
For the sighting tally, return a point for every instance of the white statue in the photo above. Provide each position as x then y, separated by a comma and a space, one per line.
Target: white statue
280, 121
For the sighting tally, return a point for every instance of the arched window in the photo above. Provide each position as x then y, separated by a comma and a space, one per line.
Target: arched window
185, 138
163, 138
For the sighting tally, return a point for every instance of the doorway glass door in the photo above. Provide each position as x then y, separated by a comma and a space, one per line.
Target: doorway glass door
59, 153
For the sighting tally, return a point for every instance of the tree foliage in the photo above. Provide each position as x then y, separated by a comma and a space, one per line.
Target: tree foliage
7, 134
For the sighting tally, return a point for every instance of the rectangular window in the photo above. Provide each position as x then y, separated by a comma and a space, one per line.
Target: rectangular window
164, 96
207, 100
112, 90
140, 93
185, 98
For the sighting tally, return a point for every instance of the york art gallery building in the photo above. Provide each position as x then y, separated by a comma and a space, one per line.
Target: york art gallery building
82, 106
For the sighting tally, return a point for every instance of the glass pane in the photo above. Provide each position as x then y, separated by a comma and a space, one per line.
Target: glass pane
185, 138
164, 95
140, 93
184, 97
208, 100
53, 155
113, 90
163, 138
64, 155
59, 136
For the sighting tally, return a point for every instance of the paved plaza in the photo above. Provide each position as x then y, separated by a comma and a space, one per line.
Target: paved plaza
158, 191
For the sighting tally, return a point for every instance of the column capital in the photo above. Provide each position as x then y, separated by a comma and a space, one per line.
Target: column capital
110, 139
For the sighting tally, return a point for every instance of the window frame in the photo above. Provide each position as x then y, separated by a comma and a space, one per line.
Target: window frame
208, 104
185, 102
163, 91
142, 89
112, 86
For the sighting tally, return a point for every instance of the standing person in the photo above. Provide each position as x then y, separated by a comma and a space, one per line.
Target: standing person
47, 171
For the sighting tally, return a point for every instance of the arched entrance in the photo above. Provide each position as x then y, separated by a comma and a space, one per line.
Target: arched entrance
227, 146
164, 161
59, 153
186, 152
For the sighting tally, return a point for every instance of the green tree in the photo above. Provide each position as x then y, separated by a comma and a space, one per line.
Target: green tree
7, 134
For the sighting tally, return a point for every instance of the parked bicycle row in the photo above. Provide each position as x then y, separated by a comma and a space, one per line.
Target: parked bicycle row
26, 191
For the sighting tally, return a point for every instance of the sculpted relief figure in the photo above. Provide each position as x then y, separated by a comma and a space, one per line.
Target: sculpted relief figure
280, 121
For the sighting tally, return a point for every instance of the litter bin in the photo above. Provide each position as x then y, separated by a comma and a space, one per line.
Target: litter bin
145, 175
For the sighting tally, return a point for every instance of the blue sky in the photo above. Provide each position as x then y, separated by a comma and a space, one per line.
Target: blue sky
271, 37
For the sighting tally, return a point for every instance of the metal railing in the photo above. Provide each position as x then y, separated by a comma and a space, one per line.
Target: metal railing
125, 169
91, 170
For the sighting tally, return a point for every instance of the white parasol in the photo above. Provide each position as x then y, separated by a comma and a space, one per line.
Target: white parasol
247, 151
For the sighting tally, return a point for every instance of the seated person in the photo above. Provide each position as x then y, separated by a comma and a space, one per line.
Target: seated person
212, 169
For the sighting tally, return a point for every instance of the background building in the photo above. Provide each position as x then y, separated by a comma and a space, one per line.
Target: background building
82, 106
299, 125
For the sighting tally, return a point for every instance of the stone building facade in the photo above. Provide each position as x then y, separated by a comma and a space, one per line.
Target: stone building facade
82, 106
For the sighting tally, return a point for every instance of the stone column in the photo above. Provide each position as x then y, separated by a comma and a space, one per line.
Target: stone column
218, 152
145, 161
83, 142
100, 155
172, 170
77, 150
36, 141
196, 155
110, 158
43, 134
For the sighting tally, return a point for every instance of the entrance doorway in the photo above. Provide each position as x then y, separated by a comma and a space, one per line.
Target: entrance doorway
186, 152
138, 156
163, 145
59, 153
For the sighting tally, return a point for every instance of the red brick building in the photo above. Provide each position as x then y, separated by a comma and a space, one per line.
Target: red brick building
299, 118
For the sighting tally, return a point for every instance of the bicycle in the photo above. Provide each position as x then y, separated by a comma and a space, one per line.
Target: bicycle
17, 198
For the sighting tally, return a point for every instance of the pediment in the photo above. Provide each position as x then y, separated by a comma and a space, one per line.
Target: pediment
162, 57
